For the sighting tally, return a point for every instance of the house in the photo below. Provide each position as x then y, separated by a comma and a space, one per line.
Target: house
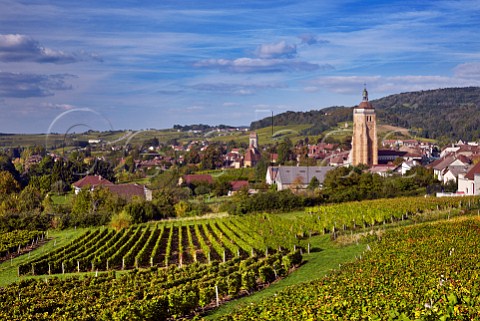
125, 191
90, 181
295, 177
469, 183
129, 191
237, 186
383, 170
441, 166
452, 173
408, 165
339, 159
195, 178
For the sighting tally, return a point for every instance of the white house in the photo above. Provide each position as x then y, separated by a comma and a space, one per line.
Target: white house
469, 183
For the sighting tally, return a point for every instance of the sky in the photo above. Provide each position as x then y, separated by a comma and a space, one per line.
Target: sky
112, 65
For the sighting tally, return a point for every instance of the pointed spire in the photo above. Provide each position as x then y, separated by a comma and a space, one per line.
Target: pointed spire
365, 92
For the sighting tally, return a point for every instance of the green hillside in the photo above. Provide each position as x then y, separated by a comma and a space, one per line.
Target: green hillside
446, 114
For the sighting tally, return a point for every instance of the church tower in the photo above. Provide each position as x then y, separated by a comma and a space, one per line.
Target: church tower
253, 140
364, 139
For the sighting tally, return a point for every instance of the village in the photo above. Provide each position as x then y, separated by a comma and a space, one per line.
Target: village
284, 165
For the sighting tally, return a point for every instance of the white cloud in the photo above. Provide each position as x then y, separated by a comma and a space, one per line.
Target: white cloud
22, 85
230, 104
195, 108
252, 65
470, 70
386, 85
241, 89
19, 48
54, 106
276, 50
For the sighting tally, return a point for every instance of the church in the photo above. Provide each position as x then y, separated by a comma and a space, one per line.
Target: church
364, 137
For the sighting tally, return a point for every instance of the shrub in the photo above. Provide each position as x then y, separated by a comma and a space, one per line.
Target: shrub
121, 220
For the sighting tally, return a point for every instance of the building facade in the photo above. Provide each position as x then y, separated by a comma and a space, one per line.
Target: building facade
364, 138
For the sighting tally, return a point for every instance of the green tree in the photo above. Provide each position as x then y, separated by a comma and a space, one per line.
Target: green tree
30, 199
7, 165
181, 208
8, 183
285, 152
212, 157
121, 220
314, 183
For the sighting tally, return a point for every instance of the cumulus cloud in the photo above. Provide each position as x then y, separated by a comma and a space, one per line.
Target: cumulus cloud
17, 48
251, 65
276, 50
20, 85
469, 70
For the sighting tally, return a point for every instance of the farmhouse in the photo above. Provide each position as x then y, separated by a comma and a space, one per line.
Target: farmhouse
90, 181
125, 191
129, 191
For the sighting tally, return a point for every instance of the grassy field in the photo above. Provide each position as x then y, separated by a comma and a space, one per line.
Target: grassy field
62, 199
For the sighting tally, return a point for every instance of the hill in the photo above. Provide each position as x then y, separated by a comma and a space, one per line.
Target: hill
446, 114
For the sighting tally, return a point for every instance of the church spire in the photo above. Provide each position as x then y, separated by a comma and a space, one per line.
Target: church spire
365, 92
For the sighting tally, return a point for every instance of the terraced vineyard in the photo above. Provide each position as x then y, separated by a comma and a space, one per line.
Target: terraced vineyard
204, 241
369, 213
149, 245
423, 272
15, 242
152, 294
184, 264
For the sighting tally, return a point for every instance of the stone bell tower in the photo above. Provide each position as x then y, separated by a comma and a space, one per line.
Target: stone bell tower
364, 138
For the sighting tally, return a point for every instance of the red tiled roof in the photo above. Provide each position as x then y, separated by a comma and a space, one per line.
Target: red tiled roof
365, 105
92, 181
198, 178
238, 185
127, 191
464, 159
252, 155
472, 171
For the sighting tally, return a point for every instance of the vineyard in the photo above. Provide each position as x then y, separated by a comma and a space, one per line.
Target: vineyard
162, 245
12, 243
369, 213
423, 272
152, 294
180, 268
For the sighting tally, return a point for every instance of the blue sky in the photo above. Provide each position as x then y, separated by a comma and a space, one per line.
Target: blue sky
152, 64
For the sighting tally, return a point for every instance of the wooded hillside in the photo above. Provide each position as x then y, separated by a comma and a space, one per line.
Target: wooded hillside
446, 114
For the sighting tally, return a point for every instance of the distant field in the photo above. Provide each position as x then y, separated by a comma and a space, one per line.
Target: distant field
266, 135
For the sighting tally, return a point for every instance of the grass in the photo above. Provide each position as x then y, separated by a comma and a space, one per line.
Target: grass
9, 269
62, 199
324, 257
